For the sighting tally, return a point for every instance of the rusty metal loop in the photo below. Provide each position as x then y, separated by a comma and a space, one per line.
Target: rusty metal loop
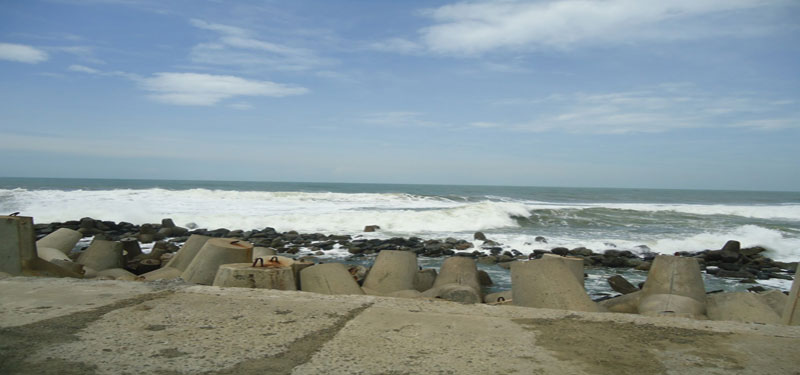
531, 256
234, 242
274, 260
501, 299
258, 260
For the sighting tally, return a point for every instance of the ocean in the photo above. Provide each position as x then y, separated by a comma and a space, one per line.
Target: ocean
640, 220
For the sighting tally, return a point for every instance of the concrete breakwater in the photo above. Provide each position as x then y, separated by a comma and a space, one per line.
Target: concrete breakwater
548, 279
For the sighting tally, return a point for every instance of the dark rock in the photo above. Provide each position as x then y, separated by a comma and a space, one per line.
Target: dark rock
563, 251
479, 236
464, 245
489, 259
732, 246
494, 250
617, 262
167, 223
371, 228
621, 285
748, 281
581, 251
484, 278
757, 289
730, 266
751, 251
734, 274
540, 239
644, 266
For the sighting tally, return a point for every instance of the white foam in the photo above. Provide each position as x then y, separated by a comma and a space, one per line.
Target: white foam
397, 214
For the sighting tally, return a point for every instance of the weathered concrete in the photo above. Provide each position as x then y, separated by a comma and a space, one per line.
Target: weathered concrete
328, 278
548, 283
102, 255
16, 243
791, 311
393, 271
187, 252
214, 253
70, 326
674, 287
741, 307
63, 240
244, 275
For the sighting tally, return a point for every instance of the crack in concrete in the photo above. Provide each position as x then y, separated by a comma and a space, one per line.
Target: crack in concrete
17, 343
299, 351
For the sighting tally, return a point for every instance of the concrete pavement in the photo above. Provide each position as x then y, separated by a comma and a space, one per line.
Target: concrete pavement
115, 327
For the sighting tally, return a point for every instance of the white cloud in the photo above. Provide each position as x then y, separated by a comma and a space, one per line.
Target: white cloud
83, 69
478, 27
207, 89
651, 110
22, 53
238, 46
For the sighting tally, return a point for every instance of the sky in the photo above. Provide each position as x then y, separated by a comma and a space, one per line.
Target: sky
699, 94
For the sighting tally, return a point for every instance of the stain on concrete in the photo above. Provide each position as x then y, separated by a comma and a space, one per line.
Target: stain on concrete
629, 348
17, 343
298, 352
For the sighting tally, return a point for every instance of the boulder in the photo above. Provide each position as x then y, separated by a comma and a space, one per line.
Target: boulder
621, 285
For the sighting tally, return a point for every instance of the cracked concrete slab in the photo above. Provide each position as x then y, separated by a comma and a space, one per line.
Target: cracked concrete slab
24, 300
183, 329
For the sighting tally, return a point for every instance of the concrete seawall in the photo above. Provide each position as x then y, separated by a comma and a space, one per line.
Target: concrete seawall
112, 327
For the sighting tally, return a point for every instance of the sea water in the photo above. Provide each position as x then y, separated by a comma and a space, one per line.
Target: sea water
661, 221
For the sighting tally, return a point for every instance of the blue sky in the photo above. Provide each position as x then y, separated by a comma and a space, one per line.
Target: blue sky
615, 93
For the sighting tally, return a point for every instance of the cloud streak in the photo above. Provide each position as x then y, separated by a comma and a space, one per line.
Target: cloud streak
239, 47
651, 110
472, 28
22, 53
205, 89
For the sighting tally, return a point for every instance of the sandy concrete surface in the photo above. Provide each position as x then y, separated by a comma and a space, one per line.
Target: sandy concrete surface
66, 326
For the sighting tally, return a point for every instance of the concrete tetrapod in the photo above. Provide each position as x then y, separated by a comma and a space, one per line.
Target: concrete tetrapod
102, 255
457, 281
393, 271
458, 270
574, 264
740, 307
118, 274
791, 311
424, 279
214, 253
674, 287
17, 245
271, 273
263, 252
328, 278
548, 283
63, 240
186, 254
163, 273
